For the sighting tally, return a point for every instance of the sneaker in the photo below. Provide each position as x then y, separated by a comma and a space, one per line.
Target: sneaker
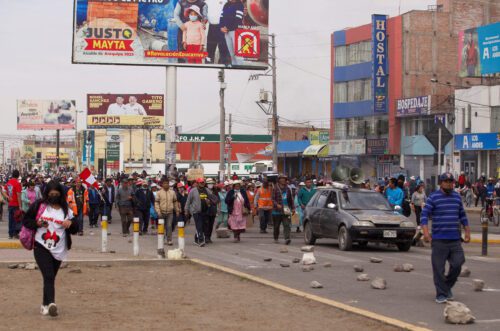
52, 310
202, 244
441, 300
170, 243
450, 296
44, 310
287, 242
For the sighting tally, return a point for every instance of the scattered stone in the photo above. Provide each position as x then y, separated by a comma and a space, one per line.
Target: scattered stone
284, 250
12, 266
327, 265
398, 268
30, 266
175, 254
315, 284
379, 283
308, 259
363, 278
358, 268
375, 260
478, 285
75, 271
64, 265
104, 266
284, 265
268, 259
296, 260
73, 292
408, 267
112, 252
307, 249
21, 266
465, 272
307, 268
457, 313
130, 241
223, 233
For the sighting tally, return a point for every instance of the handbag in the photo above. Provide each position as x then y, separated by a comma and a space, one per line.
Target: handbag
27, 236
287, 211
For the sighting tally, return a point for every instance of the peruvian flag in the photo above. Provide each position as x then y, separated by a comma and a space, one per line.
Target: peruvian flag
89, 179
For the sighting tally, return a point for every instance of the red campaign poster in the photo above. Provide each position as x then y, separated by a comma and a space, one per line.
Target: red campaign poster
247, 43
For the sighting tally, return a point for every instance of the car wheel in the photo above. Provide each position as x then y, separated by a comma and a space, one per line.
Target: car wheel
309, 237
362, 244
345, 241
404, 247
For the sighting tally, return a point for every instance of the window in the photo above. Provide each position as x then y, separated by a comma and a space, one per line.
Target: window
340, 92
352, 91
418, 126
322, 200
235, 167
340, 56
353, 53
495, 119
332, 198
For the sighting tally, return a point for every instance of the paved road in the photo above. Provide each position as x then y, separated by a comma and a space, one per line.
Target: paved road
409, 296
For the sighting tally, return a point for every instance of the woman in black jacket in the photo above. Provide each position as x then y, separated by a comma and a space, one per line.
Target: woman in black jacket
53, 223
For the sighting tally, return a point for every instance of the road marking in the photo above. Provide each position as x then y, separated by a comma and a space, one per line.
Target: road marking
491, 290
332, 303
488, 321
484, 259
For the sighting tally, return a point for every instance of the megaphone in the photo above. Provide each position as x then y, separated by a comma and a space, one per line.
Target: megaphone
340, 173
356, 176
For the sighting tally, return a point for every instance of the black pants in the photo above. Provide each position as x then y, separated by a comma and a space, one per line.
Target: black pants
208, 227
48, 267
277, 221
442, 251
94, 211
143, 219
418, 212
265, 218
199, 221
215, 38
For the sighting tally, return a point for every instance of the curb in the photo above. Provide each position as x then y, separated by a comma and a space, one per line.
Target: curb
490, 241
113, 263
10, 244
341, 306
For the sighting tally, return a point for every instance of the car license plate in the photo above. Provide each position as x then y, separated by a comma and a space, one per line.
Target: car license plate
390, 234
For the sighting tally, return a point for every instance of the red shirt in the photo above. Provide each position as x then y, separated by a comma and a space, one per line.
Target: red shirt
13, 188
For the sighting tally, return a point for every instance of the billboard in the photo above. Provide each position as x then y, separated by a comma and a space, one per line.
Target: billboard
198, 33
125, 111
379, 60
88, 147
468, 54
46, 114
477, 141
416, 106
489, 48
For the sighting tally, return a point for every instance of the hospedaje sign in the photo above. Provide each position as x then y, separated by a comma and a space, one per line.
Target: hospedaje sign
416, 106
379, 53
477, 141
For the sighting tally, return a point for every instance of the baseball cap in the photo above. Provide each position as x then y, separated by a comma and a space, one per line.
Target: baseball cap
446, 176
200, 180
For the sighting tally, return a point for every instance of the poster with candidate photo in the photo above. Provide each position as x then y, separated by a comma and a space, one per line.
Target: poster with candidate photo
125, 111
230, 34
46, 114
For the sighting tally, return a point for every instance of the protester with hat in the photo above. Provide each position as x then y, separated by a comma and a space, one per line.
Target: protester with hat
165, 206
125, 202
182, 199
305, 195
77, 201
238, 208
222, 212
143, 200
283, 210
197, 205
446, 210
212, 210
263, 202
108, 193
94, 201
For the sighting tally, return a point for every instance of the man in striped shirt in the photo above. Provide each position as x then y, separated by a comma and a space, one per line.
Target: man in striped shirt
447, 212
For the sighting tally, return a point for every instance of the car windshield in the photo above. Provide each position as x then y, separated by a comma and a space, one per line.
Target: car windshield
363, 201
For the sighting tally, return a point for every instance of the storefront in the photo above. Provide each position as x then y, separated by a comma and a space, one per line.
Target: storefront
477, 153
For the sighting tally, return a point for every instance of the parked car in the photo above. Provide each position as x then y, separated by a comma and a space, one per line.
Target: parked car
354, 215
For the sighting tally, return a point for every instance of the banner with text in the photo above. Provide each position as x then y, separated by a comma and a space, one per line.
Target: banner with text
379, 62
46, 114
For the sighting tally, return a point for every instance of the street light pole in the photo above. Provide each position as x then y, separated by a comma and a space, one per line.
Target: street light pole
275, 104
222, 125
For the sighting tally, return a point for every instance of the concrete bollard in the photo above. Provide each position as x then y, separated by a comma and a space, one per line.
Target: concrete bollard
104, 234
180, 238
161, 238
136, 236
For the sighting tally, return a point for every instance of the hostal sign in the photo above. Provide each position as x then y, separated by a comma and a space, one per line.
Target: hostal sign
379, 52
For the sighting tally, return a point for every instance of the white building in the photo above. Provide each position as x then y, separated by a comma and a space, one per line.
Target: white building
477, 127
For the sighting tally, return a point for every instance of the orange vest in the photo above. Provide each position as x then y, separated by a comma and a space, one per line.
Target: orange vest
72, 202
265, 199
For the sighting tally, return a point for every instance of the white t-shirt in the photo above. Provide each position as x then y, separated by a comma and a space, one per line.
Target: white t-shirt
53, 237
116, 109
135, 109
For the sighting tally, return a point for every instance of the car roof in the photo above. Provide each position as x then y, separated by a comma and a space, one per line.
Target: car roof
350, 189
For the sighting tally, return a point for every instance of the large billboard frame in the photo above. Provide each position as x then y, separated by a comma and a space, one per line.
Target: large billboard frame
52, 114
263, 37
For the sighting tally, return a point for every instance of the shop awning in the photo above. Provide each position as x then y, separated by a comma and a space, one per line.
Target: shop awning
317, 150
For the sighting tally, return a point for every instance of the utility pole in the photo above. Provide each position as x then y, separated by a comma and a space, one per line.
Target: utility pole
58, 132
229, 149
275, 105
130, 147
222, 142
144, 149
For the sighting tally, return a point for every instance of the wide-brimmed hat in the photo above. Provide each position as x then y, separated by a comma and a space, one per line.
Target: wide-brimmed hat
237, 182
210, 181
194, 8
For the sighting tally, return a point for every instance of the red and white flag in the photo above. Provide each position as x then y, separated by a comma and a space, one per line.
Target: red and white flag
89, 179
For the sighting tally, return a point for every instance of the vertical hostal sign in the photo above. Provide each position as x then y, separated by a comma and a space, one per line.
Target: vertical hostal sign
379, 50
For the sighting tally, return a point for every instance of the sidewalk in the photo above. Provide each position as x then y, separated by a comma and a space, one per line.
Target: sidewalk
473, 210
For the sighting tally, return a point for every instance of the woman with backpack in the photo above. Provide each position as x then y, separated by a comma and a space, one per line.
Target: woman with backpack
52, 222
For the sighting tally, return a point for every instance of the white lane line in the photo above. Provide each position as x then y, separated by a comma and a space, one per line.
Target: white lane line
491, 290
487, 321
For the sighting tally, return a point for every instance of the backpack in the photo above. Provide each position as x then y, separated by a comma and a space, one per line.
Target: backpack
27, 236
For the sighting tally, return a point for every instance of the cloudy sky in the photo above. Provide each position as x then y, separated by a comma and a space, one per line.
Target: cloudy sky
35, 63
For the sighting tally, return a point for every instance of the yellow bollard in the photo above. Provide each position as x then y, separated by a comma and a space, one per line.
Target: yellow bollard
136, 236
161, 238
180, 233
104, 234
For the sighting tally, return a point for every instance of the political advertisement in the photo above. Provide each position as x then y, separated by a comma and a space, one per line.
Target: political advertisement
379, 62
46, 114
125, 111
229, 34
468, 54
489, 48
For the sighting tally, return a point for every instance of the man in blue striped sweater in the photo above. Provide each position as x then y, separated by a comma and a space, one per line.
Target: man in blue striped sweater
447, 212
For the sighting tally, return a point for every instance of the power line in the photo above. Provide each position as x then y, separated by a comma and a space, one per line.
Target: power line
303, 70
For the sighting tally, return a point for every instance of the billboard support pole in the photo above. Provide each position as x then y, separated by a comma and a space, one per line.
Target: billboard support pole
58, 133
222, 125
170, 119
144, 150
275, 125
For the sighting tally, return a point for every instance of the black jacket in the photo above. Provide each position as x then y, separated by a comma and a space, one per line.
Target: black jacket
230, 200
104, 192
29, 221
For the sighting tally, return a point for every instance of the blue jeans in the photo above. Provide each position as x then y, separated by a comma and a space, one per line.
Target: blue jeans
79, 220
14, 227
94, 211
442, 251
107, 211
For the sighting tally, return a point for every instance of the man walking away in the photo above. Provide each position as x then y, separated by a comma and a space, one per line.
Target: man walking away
264, 203
283, 209
125, 202
165, 205
448, 216
108, 192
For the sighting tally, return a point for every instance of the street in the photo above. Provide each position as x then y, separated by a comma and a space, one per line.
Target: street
409, 296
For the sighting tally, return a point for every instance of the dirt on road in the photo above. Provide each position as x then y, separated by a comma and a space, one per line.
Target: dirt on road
173, 297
